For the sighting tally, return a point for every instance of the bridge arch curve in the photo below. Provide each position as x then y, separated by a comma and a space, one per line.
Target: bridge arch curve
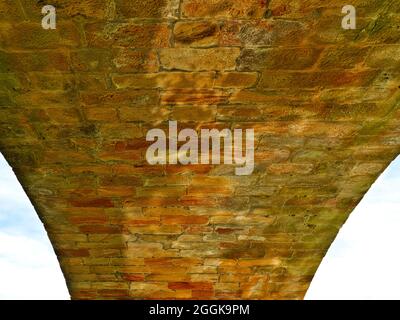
76, 103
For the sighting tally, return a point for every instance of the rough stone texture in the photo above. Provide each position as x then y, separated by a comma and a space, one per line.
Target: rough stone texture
76, 103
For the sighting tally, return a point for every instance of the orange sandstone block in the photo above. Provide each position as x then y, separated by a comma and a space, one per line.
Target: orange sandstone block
190, 285
175, 219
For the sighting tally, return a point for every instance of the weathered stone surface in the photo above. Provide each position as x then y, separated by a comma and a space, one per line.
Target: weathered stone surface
193, 97
10, 11
149, 9
77, 102
387, 57
267, 33
47, 61
29, 35
327, 79
131, 35
196, 34
199, 59
132, 60
90, 9
236, 79
345, 58
165, 80
93, 60
224, 8
275, 59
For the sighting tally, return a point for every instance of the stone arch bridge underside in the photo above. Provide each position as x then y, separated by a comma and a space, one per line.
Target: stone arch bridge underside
76, 103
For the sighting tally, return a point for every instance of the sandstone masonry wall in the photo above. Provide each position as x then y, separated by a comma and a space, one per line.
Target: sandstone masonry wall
76, 103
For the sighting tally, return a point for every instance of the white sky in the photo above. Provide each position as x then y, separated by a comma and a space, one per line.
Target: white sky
364, 260
28, 266
362, 263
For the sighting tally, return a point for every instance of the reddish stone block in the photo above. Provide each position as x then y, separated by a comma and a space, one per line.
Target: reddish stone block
96, 202
106, 229
73, 252
133, 277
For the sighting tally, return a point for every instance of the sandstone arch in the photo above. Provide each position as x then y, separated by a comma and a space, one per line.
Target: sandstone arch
76, 103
